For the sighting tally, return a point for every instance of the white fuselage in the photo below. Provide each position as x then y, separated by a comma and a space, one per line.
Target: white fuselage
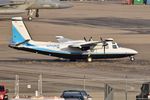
63, 49
66, 48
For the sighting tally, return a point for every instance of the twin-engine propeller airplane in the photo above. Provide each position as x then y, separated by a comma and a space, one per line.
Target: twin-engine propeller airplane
67, 48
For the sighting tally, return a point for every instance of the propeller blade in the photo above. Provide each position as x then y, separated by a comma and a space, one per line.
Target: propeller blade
104, 45
90, 39
85, 39
104, 49
101, 39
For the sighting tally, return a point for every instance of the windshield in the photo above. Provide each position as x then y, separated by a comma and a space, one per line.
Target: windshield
84, 93
114, 46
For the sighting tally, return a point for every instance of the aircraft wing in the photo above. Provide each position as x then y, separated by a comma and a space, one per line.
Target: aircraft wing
10, 4
85, 45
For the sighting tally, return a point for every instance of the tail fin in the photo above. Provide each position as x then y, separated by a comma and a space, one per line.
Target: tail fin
19, 31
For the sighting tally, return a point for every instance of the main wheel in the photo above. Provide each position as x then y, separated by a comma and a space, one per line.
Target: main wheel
89, 59
132, 58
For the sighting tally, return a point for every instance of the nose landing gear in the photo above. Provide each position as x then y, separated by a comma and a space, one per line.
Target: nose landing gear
132, 58
31, 13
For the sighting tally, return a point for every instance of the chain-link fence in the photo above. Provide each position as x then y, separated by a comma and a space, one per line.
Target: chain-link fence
124, 89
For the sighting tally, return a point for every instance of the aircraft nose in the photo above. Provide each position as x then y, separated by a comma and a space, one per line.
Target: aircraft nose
130, 51
133, 51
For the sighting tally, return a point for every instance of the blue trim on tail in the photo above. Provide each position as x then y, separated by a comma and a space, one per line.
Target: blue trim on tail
16, 36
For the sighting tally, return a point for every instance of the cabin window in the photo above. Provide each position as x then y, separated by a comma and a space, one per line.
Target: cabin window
114, 46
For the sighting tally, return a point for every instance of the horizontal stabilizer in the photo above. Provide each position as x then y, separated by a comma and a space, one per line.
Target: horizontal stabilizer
16, 45
22, 42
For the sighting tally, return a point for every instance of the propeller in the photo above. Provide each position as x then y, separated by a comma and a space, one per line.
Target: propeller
89, 51
90, 39
85, 39
104, 44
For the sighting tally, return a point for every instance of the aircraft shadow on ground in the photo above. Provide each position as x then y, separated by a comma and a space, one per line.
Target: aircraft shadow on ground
109, 61
135, 25
17, 59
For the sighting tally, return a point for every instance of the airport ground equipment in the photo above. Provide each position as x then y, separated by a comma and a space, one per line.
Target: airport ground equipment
145, 92
3, 93
75, 95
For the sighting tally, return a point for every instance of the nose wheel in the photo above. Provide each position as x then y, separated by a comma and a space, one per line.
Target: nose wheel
132, 58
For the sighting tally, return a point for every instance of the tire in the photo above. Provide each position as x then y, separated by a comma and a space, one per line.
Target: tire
132, 58
89, 59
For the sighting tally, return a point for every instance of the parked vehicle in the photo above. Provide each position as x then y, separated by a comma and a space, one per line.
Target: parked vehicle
76, 95
145, 92
3, 93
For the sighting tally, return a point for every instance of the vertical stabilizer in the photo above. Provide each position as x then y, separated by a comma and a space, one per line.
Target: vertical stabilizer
19, 31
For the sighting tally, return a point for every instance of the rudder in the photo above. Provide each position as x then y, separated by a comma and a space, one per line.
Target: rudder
19, 31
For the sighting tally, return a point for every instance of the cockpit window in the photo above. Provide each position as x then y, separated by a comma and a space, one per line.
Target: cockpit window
114, 46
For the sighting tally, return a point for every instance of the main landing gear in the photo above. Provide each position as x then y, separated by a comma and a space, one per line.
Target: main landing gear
132, 58
31, 13
89, 59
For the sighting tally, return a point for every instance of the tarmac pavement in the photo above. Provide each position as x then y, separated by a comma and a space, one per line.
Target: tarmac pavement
128, 25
